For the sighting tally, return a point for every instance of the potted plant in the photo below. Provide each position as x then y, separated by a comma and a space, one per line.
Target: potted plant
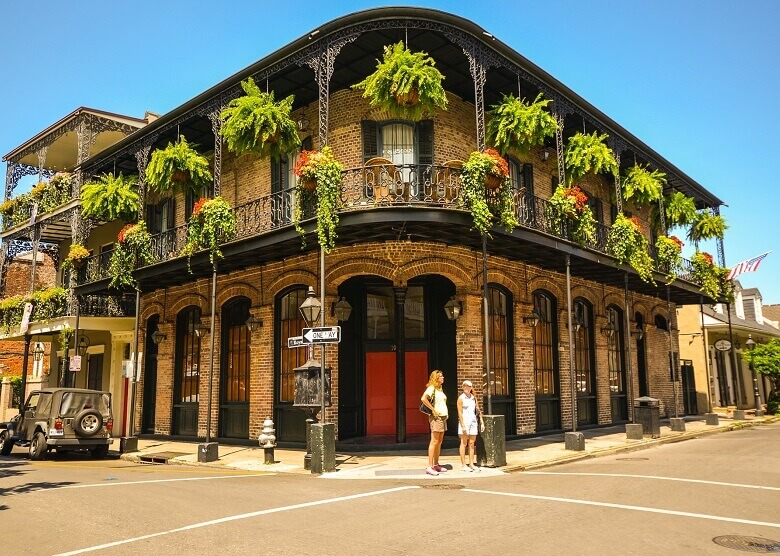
77, 255
319, 174
110, 198
627, 244
177, 168
256, 123
212, 222
679, 209
642, 186
669, 256
485, 175
133, 247
569, 205
48, 303
516, 125
405, 83
707, 225
588, 153
711, 278
7, 208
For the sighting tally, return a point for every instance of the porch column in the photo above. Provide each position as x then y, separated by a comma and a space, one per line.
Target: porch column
142, 159
400, 365
216, 127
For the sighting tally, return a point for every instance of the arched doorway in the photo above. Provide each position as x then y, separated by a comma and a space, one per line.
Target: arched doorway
186, 377
641, 356
616, 361
288, 322
234, 370
548, 395
585, 363
150, 376
394, 338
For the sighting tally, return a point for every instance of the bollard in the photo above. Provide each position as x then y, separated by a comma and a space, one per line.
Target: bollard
128, 444
323, 447
634, 431
208, 452
491, 444
738, 415
574, 441
759, 412
677, 424
711, 418
267, 440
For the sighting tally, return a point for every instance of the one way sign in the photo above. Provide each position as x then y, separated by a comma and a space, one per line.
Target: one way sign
322, 335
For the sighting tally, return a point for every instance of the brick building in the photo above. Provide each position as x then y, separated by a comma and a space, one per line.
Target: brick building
405, 248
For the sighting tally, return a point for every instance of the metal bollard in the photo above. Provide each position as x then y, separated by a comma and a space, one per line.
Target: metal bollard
267, 440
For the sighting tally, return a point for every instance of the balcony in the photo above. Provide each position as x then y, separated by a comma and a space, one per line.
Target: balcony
411, 188
49, 203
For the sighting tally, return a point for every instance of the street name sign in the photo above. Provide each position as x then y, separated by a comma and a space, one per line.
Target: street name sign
295, 342
322, 335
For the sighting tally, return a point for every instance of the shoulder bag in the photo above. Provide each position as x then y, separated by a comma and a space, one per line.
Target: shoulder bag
424, 408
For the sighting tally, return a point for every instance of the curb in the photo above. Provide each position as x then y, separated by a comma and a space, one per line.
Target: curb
643, 445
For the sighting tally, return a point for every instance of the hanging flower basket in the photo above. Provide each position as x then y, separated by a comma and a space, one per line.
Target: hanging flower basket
628, 245
516, 125
77, 256
409, 98
483, 172
177, 168
319, 173
569, 206
212, 222
133, 249
180, 176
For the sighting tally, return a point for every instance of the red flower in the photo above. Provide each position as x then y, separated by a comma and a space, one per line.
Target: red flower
579, 196
122, 236
199, 205
635, 222
303, 160
500, 167
707, 257
677, 241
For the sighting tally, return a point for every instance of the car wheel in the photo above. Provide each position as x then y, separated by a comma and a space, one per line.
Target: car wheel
87, 423
6, 443
100, 452
38, 447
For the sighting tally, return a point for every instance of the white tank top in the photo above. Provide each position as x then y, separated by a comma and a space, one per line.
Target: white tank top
469, 409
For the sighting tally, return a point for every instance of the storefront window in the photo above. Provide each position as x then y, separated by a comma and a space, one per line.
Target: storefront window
544, 344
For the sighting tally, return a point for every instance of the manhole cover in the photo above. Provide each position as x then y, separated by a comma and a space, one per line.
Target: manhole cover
160, 457
747, 544
443, 486
632, 459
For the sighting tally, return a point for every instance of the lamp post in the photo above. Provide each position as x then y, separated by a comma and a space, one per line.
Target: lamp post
751, 344
311, 309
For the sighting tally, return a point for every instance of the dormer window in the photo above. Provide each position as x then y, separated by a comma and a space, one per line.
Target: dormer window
738, 307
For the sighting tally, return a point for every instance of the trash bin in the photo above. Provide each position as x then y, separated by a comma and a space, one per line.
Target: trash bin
648, 413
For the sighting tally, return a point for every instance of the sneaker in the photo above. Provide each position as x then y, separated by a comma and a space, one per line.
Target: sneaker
467, 469
440, 469
431, 471
475, 468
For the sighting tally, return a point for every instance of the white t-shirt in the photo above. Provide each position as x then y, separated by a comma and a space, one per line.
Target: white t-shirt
469, 409
439, 401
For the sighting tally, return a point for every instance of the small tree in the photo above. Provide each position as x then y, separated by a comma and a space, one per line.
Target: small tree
765, 359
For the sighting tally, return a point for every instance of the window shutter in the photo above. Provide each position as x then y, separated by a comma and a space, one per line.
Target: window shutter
276, 176
554, 181
425, 142
370, 139
306, 144
613, 212
170, 208
599, 211
189, 204
528, 178
151, 223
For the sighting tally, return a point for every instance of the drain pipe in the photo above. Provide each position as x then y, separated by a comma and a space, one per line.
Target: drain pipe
211, 352
485, 307
627, 340
572, 380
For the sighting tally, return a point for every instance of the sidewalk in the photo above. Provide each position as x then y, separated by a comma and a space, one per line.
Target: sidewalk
526, 454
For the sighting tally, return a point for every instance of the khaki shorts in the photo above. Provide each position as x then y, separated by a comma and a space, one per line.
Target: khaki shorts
438, 424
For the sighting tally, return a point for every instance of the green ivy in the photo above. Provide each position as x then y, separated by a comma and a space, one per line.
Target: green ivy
628, 245
328, 176
516, 125
669, 257
212, 223
48, 303
712, 278
176, 169
474, 195
132, 249
256, 123
568, 207
642, 186
110, 198
587, 154
402, 72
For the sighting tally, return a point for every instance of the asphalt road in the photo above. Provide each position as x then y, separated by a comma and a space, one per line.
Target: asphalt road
671, 499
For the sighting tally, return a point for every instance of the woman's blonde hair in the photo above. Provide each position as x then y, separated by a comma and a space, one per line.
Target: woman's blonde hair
433, 379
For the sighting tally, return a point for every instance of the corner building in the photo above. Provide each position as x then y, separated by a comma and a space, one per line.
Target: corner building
405, 248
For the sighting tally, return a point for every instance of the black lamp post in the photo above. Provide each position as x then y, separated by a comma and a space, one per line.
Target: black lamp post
311, 307
751, 344
453, 309
342, 310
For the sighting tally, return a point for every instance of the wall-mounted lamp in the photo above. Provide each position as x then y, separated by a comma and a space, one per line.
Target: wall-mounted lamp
638, 333
532, 319
38, 352
157, 337
303, 122
609, 330
453, 308
83, 346
342, 310
544, 155
198, 328
253, 323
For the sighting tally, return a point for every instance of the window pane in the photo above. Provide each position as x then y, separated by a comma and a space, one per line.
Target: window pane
544, 362
398, 146
290, 324
414, 314
380, 312
499, 341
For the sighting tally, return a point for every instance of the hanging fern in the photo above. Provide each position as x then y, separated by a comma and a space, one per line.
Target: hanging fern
588, 154
405, 83
643, 186
110, 198
176, 169
707, 225
256, 123
474, 196
212, 222
680, 210
515, 125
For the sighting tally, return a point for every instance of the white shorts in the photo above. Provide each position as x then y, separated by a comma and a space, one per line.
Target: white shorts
471, 429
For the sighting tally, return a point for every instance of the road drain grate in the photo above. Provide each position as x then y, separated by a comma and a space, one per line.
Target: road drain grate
747, 544
160, 457
444, 486
632, 459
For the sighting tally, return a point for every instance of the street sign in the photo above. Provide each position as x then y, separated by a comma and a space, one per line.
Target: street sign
322, 335
295, 342
723, 345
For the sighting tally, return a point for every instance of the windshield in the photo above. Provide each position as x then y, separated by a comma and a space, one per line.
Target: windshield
75, 402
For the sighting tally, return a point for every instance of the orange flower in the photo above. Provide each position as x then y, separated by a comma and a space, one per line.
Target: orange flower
579, 196
500, 167
677, 241
122, 236
199, 205
635, 222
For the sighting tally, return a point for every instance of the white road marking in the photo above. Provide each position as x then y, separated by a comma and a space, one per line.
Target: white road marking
237, 517
658, 477
121, 483
626, 507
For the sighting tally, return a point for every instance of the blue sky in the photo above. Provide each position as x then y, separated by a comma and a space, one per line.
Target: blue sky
695, 80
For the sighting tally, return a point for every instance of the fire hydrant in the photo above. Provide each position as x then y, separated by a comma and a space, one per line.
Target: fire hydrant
268, 440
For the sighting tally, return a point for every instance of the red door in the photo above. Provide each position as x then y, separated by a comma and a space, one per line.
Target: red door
416, 379
380, 392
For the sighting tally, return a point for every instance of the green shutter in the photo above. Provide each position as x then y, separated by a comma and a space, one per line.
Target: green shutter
425, 142
276, 176
370, 139
528, 178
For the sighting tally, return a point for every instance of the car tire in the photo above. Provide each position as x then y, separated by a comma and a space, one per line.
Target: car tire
6, 443
87, 423
38, 446
100, 452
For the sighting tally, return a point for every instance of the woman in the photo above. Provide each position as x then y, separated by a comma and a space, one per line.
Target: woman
436, 401
467, 425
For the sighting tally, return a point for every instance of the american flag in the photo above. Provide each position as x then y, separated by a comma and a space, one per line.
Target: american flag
750, 265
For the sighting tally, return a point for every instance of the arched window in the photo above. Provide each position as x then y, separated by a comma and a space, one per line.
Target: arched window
546, 363
616, 363
641, 359
500, 342
584, 363
186, 379
660, 323
289, 323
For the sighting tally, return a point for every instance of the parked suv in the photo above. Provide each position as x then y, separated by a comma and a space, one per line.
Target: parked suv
62, 419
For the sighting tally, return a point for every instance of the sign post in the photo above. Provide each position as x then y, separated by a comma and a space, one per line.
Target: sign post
321, 335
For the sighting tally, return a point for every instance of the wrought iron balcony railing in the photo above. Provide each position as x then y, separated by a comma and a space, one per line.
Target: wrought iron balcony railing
365, 188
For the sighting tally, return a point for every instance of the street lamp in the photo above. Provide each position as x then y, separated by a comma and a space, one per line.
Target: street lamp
157, 337
453, 309
532, 319
83, 346
311, 307
38, 352
342, 310
751, 344
253, 323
